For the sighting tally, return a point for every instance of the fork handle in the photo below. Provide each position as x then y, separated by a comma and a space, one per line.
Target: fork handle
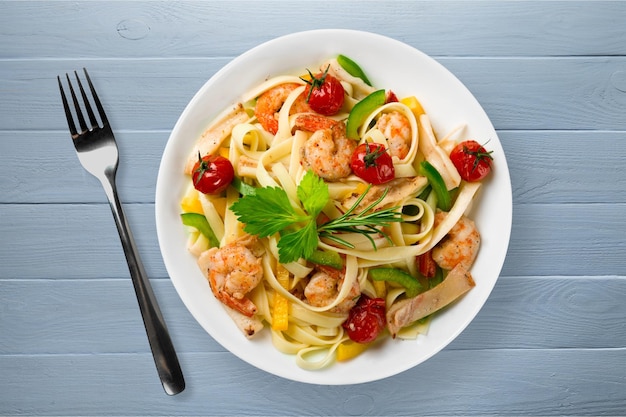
161, 345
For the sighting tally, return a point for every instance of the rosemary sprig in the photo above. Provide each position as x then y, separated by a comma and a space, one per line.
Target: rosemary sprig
367, 222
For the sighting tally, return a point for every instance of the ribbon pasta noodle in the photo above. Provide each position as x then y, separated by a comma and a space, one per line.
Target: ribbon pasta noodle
243, 271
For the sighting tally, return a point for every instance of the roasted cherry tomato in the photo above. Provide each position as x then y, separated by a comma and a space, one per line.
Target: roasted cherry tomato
366, 319
372, 163
391, 97
471, 160
212, 174
324, 93
426, 264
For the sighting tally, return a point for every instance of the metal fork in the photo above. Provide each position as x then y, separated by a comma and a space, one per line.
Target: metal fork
97, 151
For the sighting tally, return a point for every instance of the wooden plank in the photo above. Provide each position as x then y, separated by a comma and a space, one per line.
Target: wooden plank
100, 316
454, 382
89, 316
550, 313
586, 93
25, 153
556, 167
542, 169
51, 236
551, 94
546, 240
218, 28
572, 239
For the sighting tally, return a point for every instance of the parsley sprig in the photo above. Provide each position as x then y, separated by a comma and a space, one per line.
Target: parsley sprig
269, 211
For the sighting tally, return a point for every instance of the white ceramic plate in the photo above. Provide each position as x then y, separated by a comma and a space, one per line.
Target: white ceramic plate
389, 64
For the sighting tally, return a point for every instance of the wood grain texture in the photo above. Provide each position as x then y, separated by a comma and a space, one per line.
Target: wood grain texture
498, 382
224, 28
64, 180
100, 316
551, 339
536, 93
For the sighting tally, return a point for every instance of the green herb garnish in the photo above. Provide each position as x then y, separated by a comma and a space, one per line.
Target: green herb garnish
269, 211
366, 222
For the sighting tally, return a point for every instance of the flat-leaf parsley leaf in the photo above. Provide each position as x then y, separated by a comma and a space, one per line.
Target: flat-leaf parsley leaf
313, 193
269, 211
266, 212
299, 244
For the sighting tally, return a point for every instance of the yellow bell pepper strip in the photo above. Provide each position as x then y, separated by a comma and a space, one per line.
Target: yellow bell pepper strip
381, 288
191, 203
326, 258
352, 68
243, 188
444, 200
223, 151
199, 222
361, 110
349, 350
411, 284
280, 311
413, 103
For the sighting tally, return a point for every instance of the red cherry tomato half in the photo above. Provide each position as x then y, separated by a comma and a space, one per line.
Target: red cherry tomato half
426, 264
366, 319
391, 97
471, 160
324, 93
372, 163
212, 174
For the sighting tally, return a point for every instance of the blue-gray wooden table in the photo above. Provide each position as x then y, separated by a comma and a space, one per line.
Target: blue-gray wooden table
551, 339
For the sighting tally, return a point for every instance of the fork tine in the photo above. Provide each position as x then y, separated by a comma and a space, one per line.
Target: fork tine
92, 117
79, 112
66, 107
103, 115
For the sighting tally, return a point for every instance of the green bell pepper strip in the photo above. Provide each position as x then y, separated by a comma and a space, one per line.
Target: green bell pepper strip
437, 279
200, 222
411, 284
352, 68
326, 258
444, 200
361, 110
424, 194
243, 188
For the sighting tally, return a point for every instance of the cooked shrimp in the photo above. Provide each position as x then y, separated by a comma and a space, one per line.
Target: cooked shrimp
328, 152
323, 288
313, 122
459, 247
270, 102
397, 130
233, 271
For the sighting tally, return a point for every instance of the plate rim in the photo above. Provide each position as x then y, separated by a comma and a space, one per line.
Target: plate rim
317, 377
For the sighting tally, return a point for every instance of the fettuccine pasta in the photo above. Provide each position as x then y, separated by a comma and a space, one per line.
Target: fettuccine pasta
302, 239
